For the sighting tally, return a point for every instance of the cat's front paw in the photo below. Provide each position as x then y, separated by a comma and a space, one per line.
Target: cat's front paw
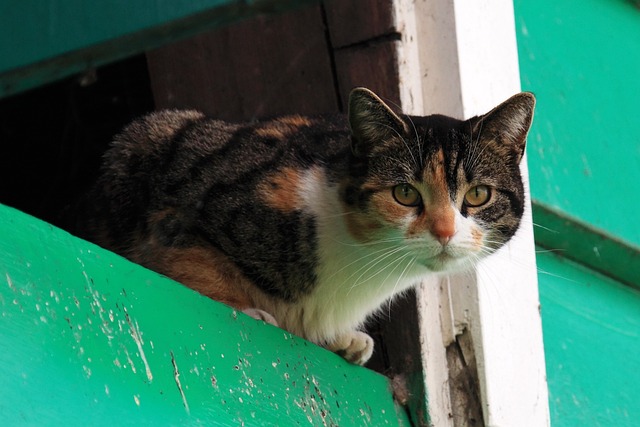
355, 346
258, 314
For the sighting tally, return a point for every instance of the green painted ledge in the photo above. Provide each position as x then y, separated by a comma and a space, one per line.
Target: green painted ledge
44, 41
89, 338
574, 239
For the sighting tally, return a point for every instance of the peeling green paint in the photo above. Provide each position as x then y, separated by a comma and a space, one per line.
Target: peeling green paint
90, 338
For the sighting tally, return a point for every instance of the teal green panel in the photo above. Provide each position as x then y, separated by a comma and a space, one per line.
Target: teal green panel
89, 338
582, 59
42, 40
591, 328
587, 245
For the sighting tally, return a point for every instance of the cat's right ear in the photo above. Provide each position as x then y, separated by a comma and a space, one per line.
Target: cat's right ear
509, 123
371, 121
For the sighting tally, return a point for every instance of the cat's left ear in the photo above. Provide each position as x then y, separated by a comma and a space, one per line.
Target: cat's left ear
508, 123
371, 121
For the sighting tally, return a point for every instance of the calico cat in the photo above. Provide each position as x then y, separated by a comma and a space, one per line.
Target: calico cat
312, 223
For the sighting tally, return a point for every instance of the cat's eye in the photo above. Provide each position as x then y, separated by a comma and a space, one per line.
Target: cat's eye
406, 195
477, 196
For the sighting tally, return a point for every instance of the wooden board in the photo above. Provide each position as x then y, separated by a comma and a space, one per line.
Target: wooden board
262, 67
373, 66
348, 25
281, 64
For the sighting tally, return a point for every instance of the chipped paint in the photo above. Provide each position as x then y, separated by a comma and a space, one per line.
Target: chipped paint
176, 377
153, 351
134, 330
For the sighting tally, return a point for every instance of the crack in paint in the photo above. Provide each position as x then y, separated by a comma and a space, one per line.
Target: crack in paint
176, 377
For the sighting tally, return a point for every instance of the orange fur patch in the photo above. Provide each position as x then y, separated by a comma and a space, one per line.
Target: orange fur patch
361, 226
364, 226
477, 235
283, 127
438, 216
205, 270
295, 121
280, 190
435, 177
388, 207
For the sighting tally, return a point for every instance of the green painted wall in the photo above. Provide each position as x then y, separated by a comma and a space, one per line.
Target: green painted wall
582, 59
89, 338
591, 330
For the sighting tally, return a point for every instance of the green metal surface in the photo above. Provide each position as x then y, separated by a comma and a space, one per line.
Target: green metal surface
89, 338
41, 41
582, 59
592, 340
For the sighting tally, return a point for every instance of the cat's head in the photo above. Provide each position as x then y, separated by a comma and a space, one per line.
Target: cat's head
448, 190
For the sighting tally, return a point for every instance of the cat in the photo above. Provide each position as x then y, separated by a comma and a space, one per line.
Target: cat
312, 223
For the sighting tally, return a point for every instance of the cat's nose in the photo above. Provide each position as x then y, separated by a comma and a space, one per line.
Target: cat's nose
444, 240
443, 232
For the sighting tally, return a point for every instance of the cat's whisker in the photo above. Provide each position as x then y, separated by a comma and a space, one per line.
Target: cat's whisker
398, 263
418, 141
399, 239
370, 266
551, 230
547, 273
402, 274
401, 277
359, 259
473, 156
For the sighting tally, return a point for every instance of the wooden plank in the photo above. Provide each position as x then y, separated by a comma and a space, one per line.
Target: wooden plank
374, 66
41, 44
348, 24
95, 338
262, 67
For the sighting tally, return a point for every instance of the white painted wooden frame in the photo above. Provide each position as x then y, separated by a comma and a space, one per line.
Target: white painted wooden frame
459, 57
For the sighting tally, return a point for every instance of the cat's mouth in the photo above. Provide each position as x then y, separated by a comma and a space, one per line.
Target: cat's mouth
443, 261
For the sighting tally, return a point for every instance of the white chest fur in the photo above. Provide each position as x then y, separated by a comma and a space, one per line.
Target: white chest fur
354, 278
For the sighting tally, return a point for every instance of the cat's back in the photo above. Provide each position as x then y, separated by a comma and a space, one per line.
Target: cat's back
161, 135
206, 169
175, 141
